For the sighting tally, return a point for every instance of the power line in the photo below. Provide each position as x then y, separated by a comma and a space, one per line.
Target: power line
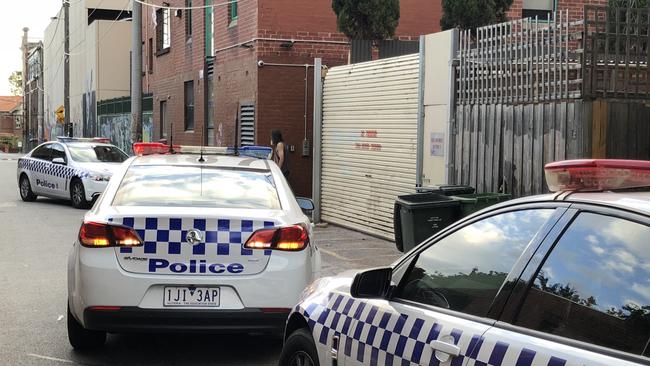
186, 7
58, 20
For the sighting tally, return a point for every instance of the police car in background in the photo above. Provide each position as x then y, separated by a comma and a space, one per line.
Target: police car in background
196, 240
554, 280
77, 169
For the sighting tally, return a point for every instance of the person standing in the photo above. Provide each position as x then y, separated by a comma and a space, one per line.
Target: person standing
280, 154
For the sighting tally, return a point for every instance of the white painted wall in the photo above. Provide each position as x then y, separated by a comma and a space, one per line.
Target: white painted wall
53, 76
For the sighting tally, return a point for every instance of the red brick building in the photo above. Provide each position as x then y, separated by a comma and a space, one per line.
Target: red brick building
10, 122
541, 8
284, 35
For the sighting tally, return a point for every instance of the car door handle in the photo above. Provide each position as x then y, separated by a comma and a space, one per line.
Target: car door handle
447, 348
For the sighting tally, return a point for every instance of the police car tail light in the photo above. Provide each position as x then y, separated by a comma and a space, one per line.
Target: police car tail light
99, 235
291, 239
597, 175
150, 148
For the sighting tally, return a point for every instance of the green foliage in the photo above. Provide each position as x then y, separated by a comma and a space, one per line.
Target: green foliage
16, 83
367, 19
471, 14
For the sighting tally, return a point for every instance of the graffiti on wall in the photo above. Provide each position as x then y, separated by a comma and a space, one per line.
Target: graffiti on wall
89, 104
117, 127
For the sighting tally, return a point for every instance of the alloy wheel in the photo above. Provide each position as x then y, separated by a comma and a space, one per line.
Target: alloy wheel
301, 358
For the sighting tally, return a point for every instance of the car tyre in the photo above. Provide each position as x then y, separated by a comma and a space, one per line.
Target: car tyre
82, 338
78, 195
25, 188
299, 350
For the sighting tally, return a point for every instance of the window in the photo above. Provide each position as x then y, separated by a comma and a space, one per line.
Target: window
150, 56
232, 12
247, 125
43, 152
163, 29
188, 20
595, 285
542, 9
465, 270
58, 152
188, 186
163, 119
189, 105
96, 154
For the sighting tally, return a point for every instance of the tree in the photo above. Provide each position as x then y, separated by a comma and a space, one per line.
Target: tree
16, 83
471, 14
367, 19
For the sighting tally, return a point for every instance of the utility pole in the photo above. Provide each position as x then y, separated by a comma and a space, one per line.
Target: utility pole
66, 68
136, 72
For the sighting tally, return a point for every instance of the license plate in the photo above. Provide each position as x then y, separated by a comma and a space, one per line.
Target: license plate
191, 296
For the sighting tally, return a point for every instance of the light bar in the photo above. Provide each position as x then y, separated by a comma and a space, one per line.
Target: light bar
102, 140
597, 175
151, 148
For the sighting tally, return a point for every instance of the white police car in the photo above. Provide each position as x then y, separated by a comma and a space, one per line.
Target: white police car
558, 279
189, 242
77, 169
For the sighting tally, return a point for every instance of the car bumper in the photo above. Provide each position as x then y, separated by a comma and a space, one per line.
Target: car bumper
136, 320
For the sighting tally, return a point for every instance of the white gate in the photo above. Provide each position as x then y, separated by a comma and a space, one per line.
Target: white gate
369, 142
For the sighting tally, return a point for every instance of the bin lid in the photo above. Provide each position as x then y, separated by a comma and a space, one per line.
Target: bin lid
426, 200
447, 190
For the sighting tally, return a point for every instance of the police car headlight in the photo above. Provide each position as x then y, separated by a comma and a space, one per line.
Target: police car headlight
100, 177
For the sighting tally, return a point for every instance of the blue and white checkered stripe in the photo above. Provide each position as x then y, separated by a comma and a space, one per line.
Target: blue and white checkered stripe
386, 338
48, 168
167, 236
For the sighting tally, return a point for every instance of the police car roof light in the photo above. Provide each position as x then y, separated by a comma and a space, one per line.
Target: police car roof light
597, 175
290, 239
103, 140
150, 148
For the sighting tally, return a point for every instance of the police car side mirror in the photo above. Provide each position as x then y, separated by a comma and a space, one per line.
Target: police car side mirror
372, 284
59, 161
306, 205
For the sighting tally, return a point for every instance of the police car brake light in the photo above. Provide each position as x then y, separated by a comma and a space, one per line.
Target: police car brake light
150, 148
290, 238
100, 235
597, 175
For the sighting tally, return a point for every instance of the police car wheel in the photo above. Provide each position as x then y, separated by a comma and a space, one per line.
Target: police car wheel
26, 192
82, 338
78, 195
299, 350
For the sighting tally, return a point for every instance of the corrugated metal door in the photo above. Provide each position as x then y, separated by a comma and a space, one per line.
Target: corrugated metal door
369, 142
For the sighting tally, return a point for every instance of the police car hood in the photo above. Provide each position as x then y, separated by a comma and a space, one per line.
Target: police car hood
99, 168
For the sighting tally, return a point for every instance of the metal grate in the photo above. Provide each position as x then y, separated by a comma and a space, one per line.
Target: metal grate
247, 122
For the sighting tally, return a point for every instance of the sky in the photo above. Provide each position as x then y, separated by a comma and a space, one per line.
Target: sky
17, 14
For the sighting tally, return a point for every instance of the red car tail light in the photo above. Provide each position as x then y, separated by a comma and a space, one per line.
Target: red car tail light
290, 239
99, 235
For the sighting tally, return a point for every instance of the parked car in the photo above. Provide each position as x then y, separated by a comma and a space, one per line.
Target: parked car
200, 240
557, 279
77, 169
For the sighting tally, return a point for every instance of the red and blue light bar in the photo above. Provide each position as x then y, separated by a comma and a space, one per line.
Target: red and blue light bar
597, 175
152, 148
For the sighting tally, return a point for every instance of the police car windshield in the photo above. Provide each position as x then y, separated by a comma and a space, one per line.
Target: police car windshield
97, 154
193, 186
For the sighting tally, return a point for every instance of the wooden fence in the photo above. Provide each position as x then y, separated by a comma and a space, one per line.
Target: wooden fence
617, 53
504, 148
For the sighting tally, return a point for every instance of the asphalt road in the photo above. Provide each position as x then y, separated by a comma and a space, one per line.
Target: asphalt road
35, 239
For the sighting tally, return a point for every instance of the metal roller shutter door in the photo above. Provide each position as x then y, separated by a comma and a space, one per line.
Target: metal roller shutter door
369, 142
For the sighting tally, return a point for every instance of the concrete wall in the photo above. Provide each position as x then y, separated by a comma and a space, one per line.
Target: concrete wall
53, 77
438, 88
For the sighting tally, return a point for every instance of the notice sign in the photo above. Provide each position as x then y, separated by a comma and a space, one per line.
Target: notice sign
437, 144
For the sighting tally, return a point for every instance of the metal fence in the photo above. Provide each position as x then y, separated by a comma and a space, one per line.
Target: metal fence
521, 61
617, 52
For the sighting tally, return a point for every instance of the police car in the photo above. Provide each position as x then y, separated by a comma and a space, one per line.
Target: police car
77, 169
557, 279
201, 239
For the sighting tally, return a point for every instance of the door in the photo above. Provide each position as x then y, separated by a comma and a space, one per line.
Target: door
588, 302
39, 166
439, 311
59, 174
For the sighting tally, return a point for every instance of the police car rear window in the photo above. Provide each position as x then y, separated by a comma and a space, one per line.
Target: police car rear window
190, 186
97, 154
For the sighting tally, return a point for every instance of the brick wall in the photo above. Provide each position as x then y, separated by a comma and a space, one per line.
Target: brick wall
7, 124
575, 7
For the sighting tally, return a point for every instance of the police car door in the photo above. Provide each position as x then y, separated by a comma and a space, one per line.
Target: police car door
438, 314
38, 165
59, 173
588, 302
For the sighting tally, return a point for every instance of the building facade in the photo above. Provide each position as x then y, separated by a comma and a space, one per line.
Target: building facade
544, 8
235, 72
100, 49
11, 130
